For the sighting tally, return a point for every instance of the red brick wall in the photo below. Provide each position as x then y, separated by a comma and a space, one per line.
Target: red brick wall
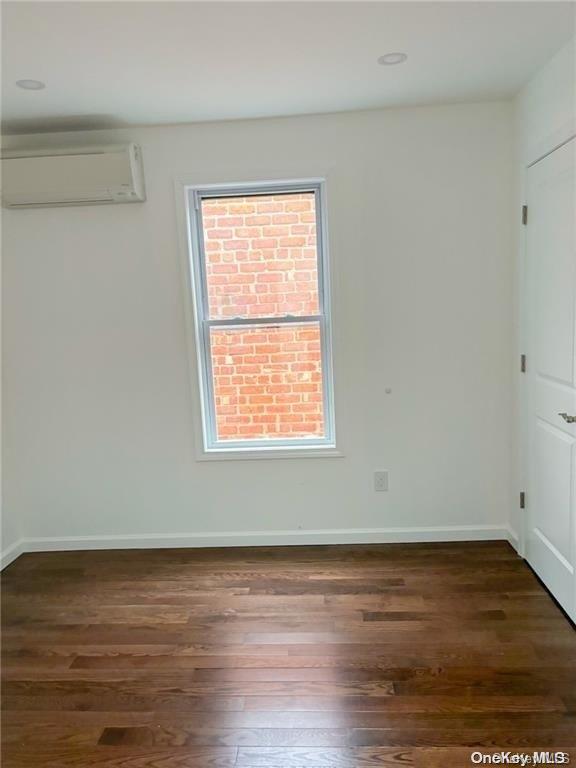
261, 262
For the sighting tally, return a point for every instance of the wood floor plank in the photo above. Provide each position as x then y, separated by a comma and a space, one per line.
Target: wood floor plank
310, 757
120, 757
183, 686
430, 703
359, 660
124, 703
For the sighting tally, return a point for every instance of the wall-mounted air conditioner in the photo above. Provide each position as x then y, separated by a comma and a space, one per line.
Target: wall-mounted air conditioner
87, 176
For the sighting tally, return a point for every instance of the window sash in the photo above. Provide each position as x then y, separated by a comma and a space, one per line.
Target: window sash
205, 323
213, 193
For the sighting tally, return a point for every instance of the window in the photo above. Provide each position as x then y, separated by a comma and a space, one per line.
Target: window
261, 298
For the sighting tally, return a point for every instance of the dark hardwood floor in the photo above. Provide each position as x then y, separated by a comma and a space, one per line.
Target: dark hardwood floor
296, 657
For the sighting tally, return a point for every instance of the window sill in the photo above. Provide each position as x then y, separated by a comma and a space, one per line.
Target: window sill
256, 454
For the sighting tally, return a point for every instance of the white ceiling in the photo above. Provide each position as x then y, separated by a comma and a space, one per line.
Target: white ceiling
113, 63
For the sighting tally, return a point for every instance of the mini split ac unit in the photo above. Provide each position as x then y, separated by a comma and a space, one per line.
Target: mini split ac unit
87, 176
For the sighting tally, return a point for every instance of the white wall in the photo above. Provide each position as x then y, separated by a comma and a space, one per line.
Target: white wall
97, 391
545, 117
9, 533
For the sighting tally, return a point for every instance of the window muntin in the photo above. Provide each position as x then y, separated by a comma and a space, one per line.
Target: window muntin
261, 288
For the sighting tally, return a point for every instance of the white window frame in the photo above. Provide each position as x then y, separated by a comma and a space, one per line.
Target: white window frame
259, 448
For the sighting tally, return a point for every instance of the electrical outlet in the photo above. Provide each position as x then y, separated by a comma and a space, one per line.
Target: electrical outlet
381, 480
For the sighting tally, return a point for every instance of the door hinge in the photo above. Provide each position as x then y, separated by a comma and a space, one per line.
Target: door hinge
522, 499
524, 215
523, 363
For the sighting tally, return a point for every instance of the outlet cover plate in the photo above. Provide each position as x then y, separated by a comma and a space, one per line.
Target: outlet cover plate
381, 480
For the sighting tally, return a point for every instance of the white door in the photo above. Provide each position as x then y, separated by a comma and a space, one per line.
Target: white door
551, 372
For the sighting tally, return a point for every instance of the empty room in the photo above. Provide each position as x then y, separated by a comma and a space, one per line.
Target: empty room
288, 384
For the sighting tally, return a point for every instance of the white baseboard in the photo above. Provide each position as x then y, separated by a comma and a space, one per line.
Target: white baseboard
261, 538
11, 553
513, 539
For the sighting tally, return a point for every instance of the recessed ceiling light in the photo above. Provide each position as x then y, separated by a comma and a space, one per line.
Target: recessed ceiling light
389, 59
31, 85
